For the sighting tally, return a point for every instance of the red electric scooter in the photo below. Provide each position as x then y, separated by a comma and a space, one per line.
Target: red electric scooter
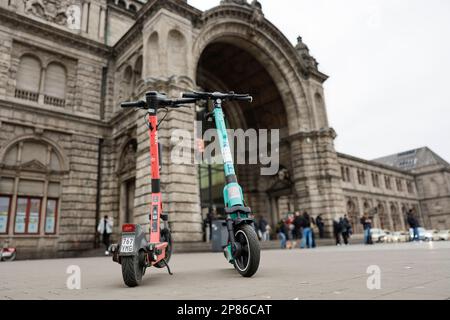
134, 252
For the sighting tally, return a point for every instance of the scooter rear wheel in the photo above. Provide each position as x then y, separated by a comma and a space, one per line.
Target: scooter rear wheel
248, 262
133, 269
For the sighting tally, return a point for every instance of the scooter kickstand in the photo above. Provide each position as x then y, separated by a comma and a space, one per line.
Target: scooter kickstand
168, 268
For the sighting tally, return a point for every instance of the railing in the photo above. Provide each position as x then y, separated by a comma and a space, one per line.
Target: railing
58, 102
27, 95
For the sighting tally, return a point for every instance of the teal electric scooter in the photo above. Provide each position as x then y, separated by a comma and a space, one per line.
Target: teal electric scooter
243, 250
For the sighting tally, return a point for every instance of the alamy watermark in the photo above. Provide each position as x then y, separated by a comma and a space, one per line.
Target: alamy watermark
73, 281
374, 280
249, 147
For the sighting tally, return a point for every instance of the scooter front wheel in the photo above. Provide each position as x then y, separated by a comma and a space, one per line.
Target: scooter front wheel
248, 261
133, 270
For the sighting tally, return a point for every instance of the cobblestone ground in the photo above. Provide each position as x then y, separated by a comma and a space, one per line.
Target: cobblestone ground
408, 271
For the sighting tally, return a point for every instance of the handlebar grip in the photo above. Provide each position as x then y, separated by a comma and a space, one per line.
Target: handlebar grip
135, 104
246, 99
190, 95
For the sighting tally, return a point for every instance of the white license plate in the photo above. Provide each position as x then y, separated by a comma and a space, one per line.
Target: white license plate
127, 245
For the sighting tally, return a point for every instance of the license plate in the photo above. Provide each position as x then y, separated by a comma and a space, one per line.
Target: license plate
127, 245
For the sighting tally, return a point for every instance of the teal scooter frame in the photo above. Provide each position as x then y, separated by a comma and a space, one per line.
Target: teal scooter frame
242, 250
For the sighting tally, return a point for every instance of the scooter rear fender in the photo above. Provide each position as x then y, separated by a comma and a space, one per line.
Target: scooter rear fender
140, 242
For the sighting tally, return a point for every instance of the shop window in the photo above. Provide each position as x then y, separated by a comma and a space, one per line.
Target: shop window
27, 215
51, 215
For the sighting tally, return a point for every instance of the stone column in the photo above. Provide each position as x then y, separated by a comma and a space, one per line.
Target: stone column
101, 31
42, 86
85, 17
317, 176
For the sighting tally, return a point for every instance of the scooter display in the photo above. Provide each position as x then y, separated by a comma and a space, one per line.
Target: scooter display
134, 252
243, 250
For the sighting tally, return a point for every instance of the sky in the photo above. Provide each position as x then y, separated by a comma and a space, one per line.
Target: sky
389, 68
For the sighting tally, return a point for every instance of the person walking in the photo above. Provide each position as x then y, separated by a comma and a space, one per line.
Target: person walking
298, 224
320, 225
345, 229
105, 229
337, 231
281, 231
262, 228
307, 232
367, 226
414, 225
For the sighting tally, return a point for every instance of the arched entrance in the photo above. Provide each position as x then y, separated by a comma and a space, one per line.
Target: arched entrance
227, 65
353, 217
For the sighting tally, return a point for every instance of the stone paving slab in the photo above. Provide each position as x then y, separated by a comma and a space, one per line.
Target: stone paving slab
415, 271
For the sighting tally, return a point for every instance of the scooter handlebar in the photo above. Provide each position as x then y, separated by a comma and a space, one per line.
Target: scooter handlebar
134, 104
218, 95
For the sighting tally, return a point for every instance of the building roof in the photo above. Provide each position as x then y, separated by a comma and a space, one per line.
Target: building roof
413, 159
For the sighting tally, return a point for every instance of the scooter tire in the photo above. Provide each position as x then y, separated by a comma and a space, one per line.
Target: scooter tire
132, 271
247, 234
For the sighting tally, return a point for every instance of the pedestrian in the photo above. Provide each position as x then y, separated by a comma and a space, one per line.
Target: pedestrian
290, 230
414, 225
298, 224
262, 228
320, 225
367, 226
268, 232
307, 232
344, 229
337, 231
281, 231
105, 229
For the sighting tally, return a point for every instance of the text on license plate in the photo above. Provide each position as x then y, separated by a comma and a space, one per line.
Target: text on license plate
127, 245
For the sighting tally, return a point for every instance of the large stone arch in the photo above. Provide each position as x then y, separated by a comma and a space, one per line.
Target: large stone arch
270, 54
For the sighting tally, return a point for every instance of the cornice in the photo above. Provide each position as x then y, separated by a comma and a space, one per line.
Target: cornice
44, 30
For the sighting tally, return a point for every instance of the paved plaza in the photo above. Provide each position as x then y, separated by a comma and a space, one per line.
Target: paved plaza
407, 271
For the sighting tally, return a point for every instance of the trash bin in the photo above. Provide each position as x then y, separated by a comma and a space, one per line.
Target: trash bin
219, 235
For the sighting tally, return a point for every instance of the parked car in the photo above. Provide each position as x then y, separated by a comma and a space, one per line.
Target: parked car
399, 236
424, 235
443, 235
378, 235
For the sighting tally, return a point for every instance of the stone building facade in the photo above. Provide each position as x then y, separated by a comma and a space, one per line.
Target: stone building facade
69, 154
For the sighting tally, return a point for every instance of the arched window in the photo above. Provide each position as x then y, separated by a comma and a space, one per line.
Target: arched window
127, 81
28, 78
321, 113
138, 71
132, 8
33, 170
153, 64
122, 4
55, 85
177, 53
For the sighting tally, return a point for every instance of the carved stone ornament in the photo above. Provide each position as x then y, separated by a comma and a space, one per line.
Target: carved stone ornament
62, 12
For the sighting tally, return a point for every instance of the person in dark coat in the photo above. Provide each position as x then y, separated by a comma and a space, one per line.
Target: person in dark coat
320, 225
345, 229
413, 224
298, 225
282, 231
307, 232
367, 226
337, 231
